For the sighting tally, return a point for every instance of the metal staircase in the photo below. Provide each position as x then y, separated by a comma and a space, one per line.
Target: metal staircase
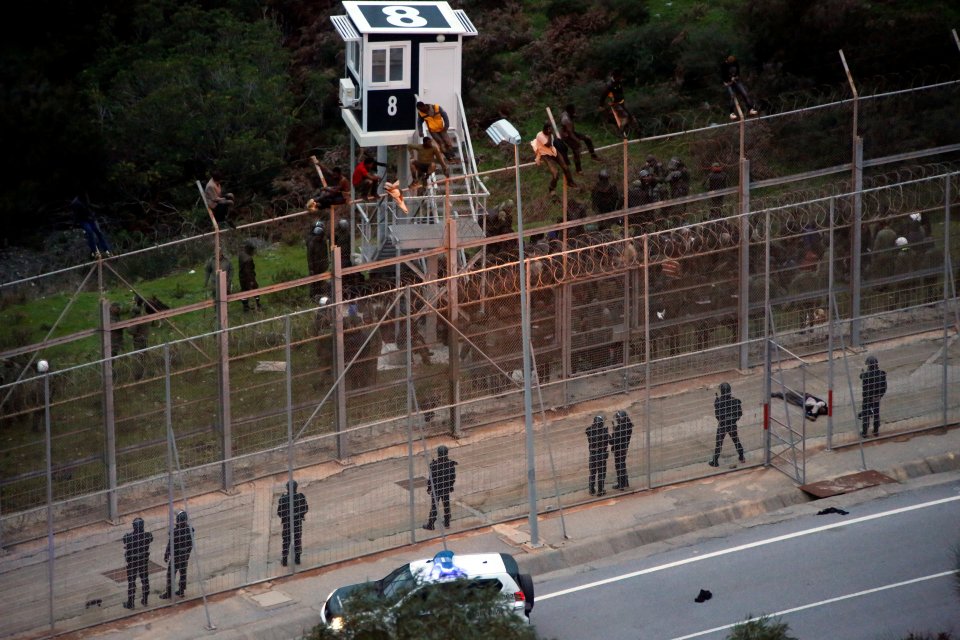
382, 230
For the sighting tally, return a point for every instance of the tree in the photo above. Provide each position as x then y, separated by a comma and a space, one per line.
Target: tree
762, 628
462, 609
200, 89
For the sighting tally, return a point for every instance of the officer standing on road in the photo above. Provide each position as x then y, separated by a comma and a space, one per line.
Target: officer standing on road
182, 546
727, 410
598, 443
873, 383
443, 474
136, 551
298, 512
622, 431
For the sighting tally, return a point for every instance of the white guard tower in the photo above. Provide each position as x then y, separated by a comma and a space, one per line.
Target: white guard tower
396, 55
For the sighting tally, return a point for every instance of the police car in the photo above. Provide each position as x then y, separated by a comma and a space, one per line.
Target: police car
491, 570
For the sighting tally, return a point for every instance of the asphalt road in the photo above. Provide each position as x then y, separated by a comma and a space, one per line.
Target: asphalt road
878, 573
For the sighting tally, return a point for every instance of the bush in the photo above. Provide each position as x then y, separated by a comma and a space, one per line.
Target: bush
763, 628
456, 610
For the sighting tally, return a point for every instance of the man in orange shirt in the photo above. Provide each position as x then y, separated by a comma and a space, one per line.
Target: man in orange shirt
545, 151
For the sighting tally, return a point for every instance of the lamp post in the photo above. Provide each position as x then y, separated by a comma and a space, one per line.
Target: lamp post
503, 131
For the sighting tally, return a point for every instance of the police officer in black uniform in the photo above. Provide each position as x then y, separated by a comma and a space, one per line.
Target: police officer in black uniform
443, 474
297, 513
182, 546
619, 441
136, 551
598, 444
727, 410
873, 383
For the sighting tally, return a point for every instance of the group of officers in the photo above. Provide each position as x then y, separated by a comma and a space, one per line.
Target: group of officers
291, 509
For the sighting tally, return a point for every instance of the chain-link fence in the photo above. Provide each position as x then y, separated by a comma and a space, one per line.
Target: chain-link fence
209, 406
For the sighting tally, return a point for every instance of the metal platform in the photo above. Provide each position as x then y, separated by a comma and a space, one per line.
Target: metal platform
414, 237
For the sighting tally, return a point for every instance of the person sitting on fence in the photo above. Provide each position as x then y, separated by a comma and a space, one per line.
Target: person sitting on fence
813, 407
336, 192
730, 74
613, 98
545, 151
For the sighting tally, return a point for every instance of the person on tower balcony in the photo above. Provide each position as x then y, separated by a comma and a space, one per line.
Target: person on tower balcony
437, 123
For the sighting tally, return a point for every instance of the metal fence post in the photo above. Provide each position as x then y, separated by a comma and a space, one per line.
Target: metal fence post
646, 359
340, 413
946, 297
856, 236
49, 463
830, 277
168, 426
223, 341
291, 494
744, 299
453, 334
767, 312
109, 418
408, 361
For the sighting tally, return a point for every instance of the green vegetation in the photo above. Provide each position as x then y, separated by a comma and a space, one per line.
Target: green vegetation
763, 628
135, 101
455, 610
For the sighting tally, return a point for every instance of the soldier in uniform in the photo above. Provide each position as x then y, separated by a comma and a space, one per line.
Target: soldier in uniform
136, 552
318, 256
182, 546
727, 410
873, 383
443, 475
598, 444
248, 273
292, 520
619, 442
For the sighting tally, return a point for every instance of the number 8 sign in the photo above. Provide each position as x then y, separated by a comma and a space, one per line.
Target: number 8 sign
401, 16
387, 17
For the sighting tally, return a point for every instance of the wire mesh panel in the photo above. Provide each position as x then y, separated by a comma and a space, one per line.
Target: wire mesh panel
887, 125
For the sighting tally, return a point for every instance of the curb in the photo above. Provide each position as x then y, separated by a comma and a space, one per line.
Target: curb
603, 546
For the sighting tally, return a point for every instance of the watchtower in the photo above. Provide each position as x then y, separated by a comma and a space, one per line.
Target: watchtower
396, 54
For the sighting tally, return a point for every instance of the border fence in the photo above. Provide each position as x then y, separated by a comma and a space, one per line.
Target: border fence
793, 274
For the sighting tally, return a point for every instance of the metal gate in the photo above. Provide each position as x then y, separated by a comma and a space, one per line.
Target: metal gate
785, 412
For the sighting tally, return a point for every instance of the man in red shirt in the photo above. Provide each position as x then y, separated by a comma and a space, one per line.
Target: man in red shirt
365, 181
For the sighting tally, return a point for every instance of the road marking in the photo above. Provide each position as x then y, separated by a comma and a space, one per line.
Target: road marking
744, 547
821, 603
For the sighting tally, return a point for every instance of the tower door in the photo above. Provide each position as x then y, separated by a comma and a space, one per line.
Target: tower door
440, 77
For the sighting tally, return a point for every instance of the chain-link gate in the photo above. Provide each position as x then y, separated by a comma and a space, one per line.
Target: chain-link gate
786, 408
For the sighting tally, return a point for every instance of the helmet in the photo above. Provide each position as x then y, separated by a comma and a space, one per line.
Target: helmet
872, 361
724, 388
181, 517
138, 525
318, 228
644, 173
442, 451
604, 174
901, 241
292, 486
598, 420
621, 414
343, 223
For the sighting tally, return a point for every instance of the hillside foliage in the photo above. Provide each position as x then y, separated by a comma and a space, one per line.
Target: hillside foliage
132, 102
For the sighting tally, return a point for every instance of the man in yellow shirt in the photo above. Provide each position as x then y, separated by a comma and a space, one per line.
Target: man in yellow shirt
437, 123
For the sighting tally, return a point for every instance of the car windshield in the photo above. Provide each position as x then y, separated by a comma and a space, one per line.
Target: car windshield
398, 580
